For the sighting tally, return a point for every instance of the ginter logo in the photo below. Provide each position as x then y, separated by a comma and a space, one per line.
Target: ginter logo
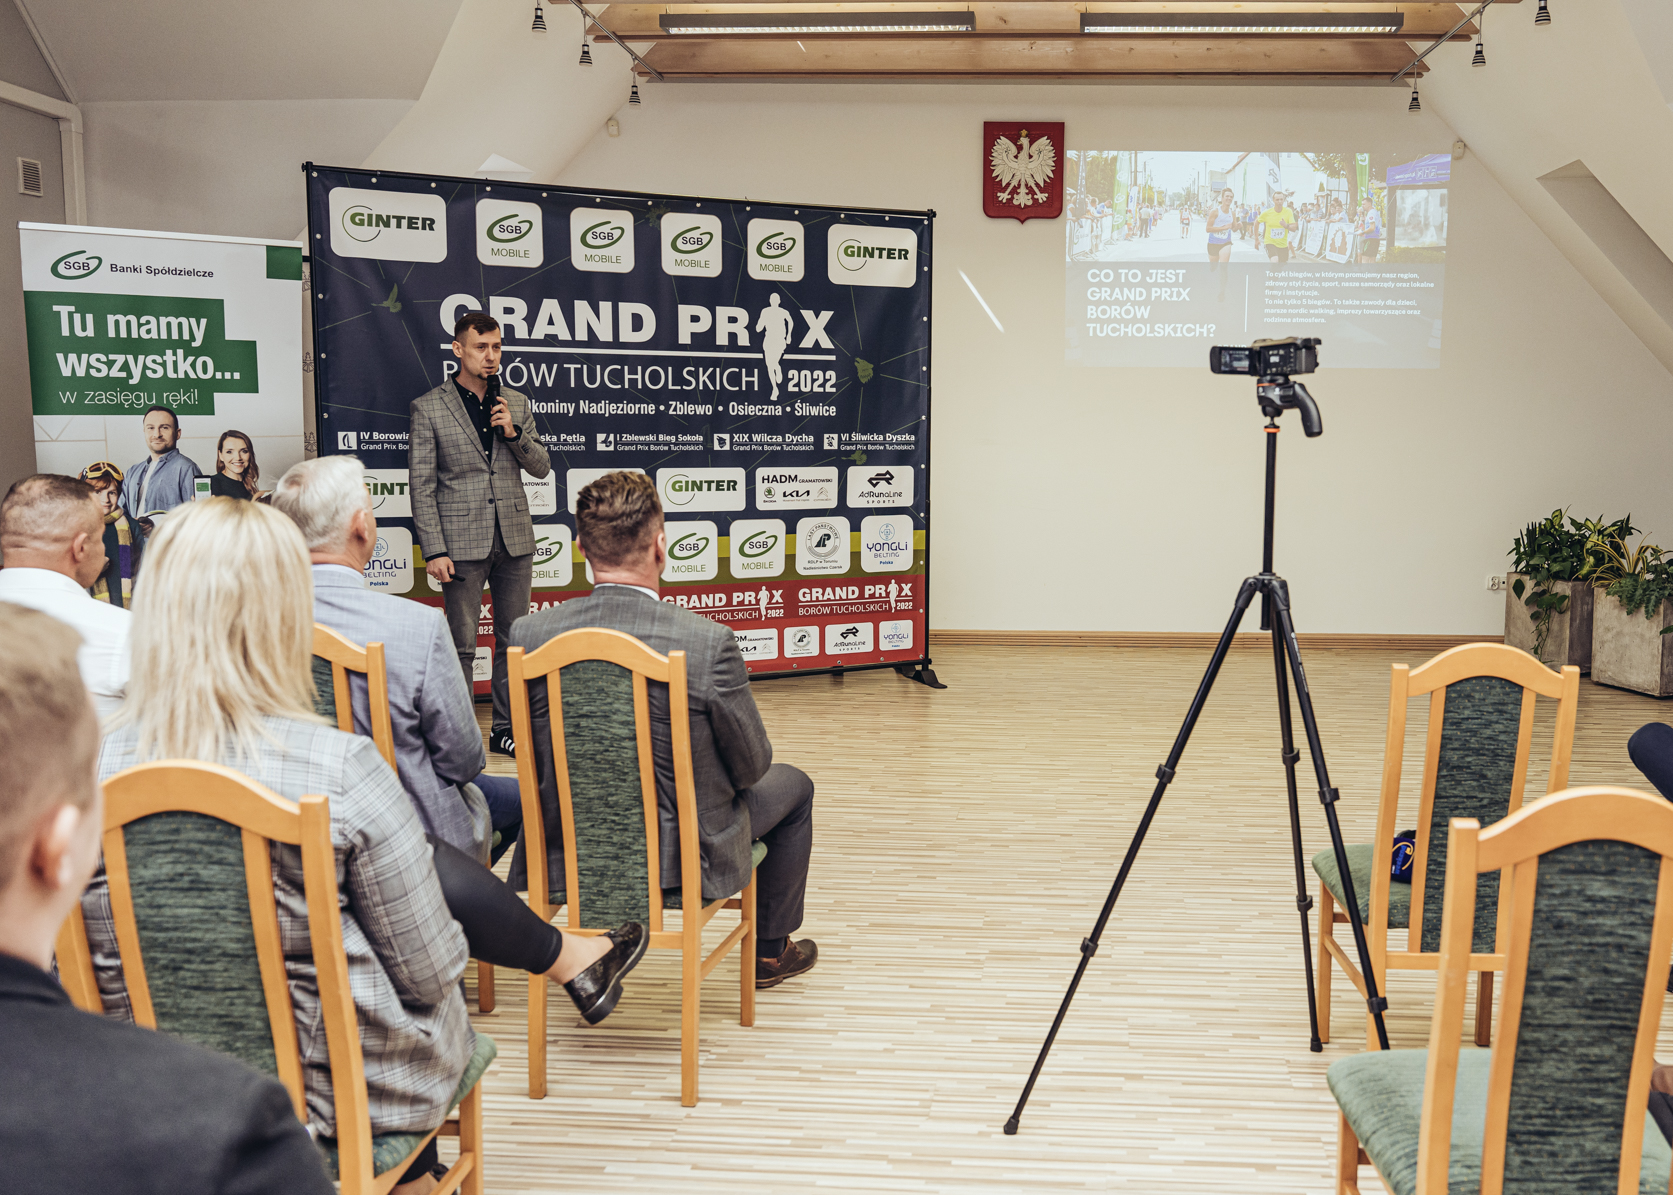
691, 240
77, 265
775, 245
758, 545
508, 230
688, 546
602, 235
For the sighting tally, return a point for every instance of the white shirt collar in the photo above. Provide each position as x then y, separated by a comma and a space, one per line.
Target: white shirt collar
42, 578
650, 593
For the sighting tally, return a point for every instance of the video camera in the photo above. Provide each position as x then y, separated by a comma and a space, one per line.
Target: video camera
1272, 362
1267, 358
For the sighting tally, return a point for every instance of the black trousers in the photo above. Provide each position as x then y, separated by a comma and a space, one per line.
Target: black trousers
500, 928
781, 815
1651, 749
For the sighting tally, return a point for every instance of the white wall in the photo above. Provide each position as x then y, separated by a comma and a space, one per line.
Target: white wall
223, 167
1129, 499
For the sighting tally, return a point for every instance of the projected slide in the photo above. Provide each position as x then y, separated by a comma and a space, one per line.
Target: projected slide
1168, 252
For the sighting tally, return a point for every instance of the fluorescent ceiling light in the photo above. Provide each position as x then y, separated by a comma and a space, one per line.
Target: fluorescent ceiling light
1241, 24
797, 24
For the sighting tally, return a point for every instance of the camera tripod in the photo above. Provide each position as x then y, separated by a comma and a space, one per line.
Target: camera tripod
1275, 393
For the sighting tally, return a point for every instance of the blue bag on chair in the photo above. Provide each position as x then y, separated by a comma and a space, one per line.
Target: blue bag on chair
1400, 863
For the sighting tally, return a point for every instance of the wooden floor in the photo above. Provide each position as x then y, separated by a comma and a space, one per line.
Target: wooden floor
965, 840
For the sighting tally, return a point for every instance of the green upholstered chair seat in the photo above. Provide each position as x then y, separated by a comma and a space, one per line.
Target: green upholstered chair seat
393, 1149
673, 898
1359, 864
1381, 1094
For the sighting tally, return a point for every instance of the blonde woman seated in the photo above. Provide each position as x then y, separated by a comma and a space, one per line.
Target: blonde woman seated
222, 646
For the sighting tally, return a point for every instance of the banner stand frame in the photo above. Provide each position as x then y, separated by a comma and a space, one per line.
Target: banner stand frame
917, 669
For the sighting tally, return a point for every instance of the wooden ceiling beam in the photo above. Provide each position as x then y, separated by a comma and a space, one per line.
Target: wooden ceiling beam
1041, 58
1017, 19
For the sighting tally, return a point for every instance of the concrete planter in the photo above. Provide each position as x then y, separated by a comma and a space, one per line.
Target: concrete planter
1629, 651
1570, 638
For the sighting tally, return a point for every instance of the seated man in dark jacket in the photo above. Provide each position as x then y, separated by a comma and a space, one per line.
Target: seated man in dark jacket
741, 794
89, 1104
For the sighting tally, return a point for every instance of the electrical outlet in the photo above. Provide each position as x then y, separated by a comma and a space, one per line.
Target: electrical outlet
1495, 582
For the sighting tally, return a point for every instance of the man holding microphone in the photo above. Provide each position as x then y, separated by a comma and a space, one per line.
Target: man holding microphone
470, 443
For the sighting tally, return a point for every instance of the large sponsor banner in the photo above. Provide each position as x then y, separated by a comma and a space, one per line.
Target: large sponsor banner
766, 364
1171, 251
121, 321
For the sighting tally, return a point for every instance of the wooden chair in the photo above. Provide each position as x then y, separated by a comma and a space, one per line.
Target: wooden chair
606, 783
334, 658
1475, 764
1560, 1104
188, 854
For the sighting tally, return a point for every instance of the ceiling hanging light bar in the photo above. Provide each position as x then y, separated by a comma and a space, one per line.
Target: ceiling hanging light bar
1411, 67
1352, 24
793, 24
1480, 56
644, 67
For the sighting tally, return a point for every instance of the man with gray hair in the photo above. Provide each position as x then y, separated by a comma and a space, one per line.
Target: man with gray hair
438, 745
52, 538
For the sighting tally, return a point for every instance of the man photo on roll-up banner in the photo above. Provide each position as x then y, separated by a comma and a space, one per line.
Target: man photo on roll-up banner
471, 441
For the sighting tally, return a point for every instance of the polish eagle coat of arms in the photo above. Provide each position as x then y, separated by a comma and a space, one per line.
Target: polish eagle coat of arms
1020, 177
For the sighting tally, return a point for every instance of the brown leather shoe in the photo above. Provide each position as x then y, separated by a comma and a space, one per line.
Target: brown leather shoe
797, 958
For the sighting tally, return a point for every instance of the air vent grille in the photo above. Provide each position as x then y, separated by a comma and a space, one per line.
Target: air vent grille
29, 177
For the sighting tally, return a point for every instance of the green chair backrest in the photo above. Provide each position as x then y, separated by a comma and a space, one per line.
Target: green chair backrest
605, 793
1588, 951
192, 910
1473, 778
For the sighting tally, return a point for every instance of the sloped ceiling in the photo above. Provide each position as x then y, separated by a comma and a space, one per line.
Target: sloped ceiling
1580, 90
242, 50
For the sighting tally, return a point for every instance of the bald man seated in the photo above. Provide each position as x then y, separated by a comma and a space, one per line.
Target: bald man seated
52, 546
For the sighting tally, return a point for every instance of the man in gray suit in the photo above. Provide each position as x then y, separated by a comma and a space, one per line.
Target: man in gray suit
741, 794
470, 443
438, 745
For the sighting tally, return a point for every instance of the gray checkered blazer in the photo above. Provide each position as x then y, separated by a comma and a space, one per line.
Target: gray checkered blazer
456, 488
406, 953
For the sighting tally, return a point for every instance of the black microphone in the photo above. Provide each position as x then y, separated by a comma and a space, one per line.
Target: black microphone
490, 396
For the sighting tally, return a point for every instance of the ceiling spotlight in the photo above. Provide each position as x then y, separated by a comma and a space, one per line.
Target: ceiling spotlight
539, 20
1414, 106
1543, 16
1241, 24
1480, 58
794, 25
586, 53
633, 96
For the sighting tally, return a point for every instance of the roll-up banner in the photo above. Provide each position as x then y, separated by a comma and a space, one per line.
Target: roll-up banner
120, 322
767, 364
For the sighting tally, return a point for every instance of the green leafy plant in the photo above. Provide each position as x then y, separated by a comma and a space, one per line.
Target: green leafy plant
1561, 548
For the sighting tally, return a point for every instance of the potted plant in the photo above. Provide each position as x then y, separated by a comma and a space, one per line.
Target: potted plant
1630, 624
1554, 564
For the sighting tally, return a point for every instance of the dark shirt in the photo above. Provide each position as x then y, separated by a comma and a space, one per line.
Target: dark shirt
91, 1104
224, 485
480, 411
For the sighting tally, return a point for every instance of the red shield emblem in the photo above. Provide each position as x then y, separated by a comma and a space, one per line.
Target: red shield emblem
1022, 169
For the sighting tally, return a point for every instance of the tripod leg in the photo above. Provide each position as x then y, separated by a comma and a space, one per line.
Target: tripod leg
1303, 902
1164, 775
1374, 1001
